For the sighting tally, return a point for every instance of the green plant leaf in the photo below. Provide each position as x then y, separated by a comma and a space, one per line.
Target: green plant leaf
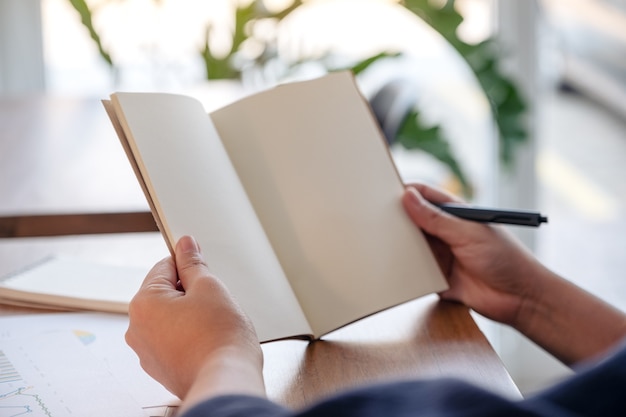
364, 64
444, 18
414, 135
507, 105
245, 15
86, 19
217, 68
286, 11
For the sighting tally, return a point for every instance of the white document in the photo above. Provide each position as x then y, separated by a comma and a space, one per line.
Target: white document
69, 283
74, 364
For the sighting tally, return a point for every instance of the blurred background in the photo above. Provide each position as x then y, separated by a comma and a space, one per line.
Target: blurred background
515, 104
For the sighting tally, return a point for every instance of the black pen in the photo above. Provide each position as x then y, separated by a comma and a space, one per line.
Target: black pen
488, 215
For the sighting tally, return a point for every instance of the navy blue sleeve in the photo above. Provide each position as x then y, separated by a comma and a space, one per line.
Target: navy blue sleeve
597, 391
238, 406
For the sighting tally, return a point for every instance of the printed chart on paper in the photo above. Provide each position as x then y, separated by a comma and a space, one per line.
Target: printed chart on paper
59, 371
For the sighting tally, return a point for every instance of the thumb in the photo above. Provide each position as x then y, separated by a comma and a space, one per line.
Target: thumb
189, 262
433, 220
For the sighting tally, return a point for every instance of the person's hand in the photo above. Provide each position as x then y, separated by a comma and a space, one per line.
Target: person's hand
486, 269
490, 272
185, 327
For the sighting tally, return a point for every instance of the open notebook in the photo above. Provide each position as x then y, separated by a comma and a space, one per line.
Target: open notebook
291, 193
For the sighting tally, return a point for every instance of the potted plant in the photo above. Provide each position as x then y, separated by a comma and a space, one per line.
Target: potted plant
506, 103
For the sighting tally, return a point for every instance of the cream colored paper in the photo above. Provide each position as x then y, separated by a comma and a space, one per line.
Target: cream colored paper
322, 182
196, 192
290, 189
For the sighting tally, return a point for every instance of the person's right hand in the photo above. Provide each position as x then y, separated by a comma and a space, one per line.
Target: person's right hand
486, 269
490, 272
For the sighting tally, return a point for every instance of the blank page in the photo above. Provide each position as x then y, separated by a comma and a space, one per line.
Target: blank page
322, 182
196, 192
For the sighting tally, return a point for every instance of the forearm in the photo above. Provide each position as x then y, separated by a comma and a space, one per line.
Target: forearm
568, 322
224, 374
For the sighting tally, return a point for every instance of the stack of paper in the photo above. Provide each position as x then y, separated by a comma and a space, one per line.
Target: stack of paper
74, 284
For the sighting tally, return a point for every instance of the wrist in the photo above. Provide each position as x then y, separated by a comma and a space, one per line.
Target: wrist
568, 322
540, 300
516, 295
227, 371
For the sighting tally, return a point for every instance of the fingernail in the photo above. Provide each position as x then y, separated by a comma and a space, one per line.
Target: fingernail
188, 244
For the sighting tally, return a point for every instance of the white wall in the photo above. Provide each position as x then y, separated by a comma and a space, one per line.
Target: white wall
21, 47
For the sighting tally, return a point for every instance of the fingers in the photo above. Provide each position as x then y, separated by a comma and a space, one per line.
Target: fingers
431, 219
435, 195
169, 277
189, 262
162, 277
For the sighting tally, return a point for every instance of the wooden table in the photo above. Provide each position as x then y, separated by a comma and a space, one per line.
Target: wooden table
61, 156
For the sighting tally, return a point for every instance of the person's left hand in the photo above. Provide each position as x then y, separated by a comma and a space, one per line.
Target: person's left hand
183, 322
